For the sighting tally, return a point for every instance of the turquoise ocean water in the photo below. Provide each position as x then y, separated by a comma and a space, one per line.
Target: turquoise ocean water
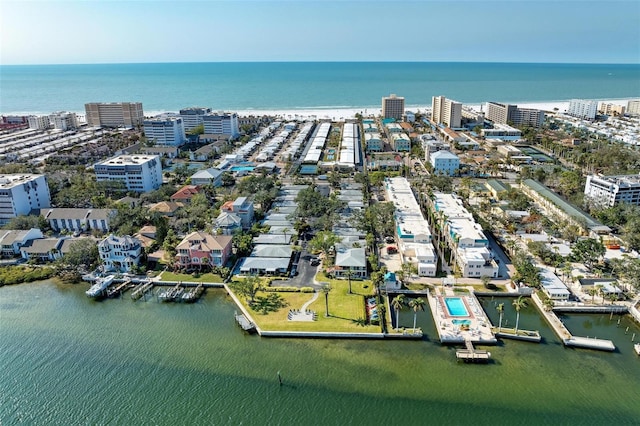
67, 360
271, 85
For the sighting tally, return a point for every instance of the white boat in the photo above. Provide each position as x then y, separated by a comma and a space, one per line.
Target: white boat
99, 287
636, 347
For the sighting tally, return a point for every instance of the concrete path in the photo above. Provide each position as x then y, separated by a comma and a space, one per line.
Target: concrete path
313, 299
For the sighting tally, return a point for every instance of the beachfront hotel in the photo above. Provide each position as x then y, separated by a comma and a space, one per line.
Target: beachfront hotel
446, 111
507, 113
393, 107
165, 130
582, 108
21, 193
221, 123
114, 114
139, 173
192, 117
611, 109
633, 107
612, 190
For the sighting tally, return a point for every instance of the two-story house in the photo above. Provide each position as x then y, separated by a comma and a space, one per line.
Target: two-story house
119, 254
202, 249
243, 208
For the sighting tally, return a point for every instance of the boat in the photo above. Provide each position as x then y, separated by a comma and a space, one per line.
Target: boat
99, 287
636, 348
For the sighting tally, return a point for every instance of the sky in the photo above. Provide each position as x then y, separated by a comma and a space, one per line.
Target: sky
120, 31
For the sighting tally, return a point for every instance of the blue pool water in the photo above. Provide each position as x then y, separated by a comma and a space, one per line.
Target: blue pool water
456, 307
461, 322
242, 168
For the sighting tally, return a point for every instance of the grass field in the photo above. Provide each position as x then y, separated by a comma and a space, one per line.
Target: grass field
205, 278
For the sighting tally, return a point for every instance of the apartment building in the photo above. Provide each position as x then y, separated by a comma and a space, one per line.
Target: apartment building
78, 220
400, 142
165, 130
612, 190
412, 229
139, 173
633, 108
21, 193
62, 120
221, 123
114, 114
611, 109
393, 107
193, 117
446, 111
444, 163
39, 122
507, 113
583, 109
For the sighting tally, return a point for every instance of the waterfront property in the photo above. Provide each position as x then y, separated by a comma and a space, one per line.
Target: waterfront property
200, 249
119, 253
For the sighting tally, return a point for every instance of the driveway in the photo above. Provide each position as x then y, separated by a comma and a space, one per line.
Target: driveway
306, 273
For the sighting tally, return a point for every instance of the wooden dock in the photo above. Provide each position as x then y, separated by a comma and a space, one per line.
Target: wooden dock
118, 289
471, 354
141, 290
244, 322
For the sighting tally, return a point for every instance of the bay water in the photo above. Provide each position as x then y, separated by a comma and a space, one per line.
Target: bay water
69, 360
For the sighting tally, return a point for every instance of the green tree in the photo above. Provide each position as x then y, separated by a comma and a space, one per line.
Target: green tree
243, 243
398, 303
326, 289
588, 251
23, 222
417, 305
323, 241
82, 256
247, 287
518, 304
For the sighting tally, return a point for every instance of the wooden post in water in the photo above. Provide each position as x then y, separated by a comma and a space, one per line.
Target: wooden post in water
279, 378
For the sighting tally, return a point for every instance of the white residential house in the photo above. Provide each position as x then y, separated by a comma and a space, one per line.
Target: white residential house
353, 260
243, 208
228, 223
119, 254
444, 163
42, 249
476, 262
11, 241
211, 176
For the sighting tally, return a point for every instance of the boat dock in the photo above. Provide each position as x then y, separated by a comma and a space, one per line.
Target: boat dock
190, 296
565, 335
171, 294
117, 290
141, 290
471, 354
245, 323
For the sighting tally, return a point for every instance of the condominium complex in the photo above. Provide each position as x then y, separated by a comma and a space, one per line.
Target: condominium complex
446, 111
583, 108
507, 113
63, 120
139, 173
221, 123
114, 114
393, 107
633, 107
611, 190
444, 163
502, 132
412, 229
192, 117
611, 109
465, 237
167, 131
21, 193
39, 122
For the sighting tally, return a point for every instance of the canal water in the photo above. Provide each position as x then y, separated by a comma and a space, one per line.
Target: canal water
65, 359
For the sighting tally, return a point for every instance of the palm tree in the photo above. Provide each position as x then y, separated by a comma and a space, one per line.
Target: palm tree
592, 292
349, 275
519, 303
500, 310
416, 305
398, 303
599, 288
326, 288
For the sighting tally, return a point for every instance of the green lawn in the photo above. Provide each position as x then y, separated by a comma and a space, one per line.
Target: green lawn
206, 278
344, 308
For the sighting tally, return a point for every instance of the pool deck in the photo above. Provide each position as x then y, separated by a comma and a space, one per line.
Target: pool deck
479, 331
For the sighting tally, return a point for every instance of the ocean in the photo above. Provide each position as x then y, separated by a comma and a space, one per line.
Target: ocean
42, 89
68, 360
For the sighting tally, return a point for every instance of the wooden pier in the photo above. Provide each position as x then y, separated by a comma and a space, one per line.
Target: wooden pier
171, 294
190, 296
243, 322
471, 354
141, 290
118, 289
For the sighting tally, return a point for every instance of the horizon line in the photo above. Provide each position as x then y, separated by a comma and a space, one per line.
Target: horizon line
321, 61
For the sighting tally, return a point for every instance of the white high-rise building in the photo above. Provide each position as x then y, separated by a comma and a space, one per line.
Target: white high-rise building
114, 114
22, 193
139, 173
167, 131
39, 123
221, 123
612, 190
192, 117
446, 111
393, 107
63, 120
583, 108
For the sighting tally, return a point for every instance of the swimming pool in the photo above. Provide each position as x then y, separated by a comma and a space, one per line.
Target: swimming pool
456, 307
242, 168
461, 322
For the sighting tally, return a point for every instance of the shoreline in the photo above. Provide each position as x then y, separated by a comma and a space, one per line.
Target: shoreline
338, 113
